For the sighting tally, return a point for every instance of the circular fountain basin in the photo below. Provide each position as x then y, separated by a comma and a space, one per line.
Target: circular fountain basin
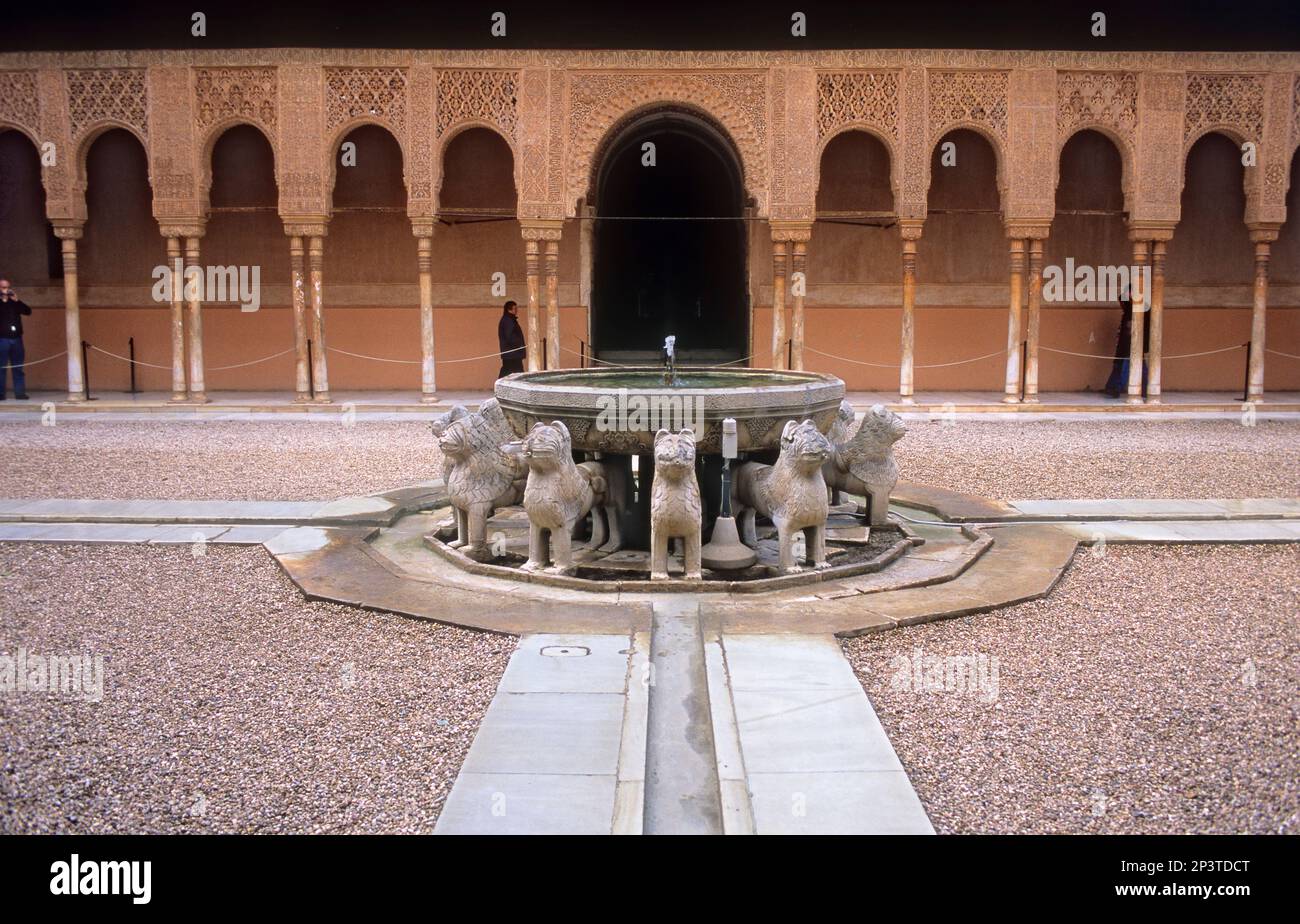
619, 409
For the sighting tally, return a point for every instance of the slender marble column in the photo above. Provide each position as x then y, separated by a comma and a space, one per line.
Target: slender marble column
68, 235
1034, 311
778, 304
298, 283
799, 284
911, 233
1263, 238
194, 279
1012, 395
316, 271
1155, 337
532, 249
428, 365
553, 360
1141, 303
175, 261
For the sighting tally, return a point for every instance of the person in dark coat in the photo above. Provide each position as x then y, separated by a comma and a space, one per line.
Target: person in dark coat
511, 339
1117, 384
12, 309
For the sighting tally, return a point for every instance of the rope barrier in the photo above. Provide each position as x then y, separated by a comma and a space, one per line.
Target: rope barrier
1239, 346
36, 362
127, 359
960, 362
140, 362
1084, 355
1280, 353
251, 362
417, 362
470, 359
378, 359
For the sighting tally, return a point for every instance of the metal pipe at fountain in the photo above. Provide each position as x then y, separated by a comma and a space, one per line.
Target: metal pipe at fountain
725, 551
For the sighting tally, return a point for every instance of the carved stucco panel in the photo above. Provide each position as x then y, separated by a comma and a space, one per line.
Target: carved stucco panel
65, 197
478, 97
779, 78
173, 170
868, 98
366, 94
226, 95
802, 150
303, 162
914, 141
533, 142
424, 169
1159, 162
1031, 153
20, 102
107, 96
1233, 103
1097, 99
968, 99
1266, 183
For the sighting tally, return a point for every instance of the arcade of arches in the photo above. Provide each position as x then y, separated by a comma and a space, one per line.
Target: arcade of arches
886, 216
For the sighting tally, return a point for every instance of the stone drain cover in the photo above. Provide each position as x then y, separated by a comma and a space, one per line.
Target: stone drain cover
565, 651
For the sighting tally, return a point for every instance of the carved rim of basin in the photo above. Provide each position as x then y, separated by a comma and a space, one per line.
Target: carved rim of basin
760, 400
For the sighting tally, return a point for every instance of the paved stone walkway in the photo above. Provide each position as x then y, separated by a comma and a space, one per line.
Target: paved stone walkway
569, 746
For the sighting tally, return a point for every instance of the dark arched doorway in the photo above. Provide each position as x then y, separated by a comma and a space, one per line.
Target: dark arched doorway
669, 244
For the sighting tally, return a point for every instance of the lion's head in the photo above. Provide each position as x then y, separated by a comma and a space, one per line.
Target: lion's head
804, 445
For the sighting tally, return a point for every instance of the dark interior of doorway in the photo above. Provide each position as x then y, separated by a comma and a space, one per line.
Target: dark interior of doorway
669, 245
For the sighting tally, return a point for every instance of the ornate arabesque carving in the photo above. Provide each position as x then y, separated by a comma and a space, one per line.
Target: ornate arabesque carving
533, 143
421, 169
20, 104
371, 93
1295, 111
1224, 101
968, 98
857, 97
478, 96
98, 95
58, 97
599, 101
243, 93
1096, 98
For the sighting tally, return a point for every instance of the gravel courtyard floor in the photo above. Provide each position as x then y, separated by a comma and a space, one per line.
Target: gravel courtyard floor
1155, 691
306, 460
230, 703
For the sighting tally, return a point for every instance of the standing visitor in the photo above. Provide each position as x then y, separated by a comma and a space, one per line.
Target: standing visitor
510, 337
12, 356
1117, 384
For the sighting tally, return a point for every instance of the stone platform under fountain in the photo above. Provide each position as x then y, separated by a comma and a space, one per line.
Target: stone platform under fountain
458, 550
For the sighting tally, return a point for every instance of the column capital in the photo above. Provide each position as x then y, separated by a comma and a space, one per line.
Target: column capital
791, 231
68, 230
306, 226
1036, 229
1263, 232
541, 230
1151, 230
423, 227
182, 227
910, 228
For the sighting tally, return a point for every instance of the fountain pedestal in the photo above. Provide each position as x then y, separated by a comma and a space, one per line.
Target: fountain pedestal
724, 550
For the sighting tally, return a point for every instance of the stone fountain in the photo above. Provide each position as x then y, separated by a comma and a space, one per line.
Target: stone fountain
630, 461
